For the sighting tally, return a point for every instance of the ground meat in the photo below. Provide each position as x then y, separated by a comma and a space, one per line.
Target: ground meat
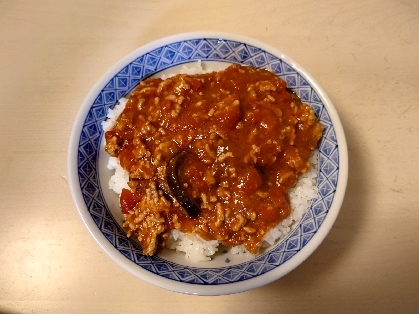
247, 139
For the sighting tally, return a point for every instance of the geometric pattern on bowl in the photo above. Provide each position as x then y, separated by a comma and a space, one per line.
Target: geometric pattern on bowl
206, 49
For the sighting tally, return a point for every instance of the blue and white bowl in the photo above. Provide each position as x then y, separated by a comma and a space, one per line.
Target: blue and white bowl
225, 274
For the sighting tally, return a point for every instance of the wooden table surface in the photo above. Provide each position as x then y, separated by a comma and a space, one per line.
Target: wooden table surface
365, 54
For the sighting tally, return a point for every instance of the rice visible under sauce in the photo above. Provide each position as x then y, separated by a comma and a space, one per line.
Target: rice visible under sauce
195, 248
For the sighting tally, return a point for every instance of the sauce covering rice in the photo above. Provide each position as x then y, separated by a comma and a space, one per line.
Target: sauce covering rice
231, 145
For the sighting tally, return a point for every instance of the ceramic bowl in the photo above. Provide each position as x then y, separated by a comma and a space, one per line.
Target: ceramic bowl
225, 273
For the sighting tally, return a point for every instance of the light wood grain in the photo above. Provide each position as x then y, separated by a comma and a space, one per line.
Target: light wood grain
363, 53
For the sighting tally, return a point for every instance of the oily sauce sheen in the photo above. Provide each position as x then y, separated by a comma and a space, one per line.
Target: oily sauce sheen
247, 138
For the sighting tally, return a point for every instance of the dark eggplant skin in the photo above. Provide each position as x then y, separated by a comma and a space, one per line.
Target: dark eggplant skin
176, 186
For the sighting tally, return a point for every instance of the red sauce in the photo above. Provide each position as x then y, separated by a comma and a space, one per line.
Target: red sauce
247, 136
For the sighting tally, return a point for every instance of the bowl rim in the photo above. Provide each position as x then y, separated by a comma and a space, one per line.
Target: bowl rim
183, 287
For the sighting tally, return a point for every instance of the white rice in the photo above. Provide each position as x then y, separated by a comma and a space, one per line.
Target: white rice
120, 179
191, 69
195, 248
113, 114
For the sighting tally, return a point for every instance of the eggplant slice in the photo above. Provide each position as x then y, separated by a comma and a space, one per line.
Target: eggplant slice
176, 186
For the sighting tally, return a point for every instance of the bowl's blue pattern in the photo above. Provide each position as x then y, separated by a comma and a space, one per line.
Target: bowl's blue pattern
168, 56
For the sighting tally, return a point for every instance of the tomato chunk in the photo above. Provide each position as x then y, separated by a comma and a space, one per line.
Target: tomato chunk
128, 200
